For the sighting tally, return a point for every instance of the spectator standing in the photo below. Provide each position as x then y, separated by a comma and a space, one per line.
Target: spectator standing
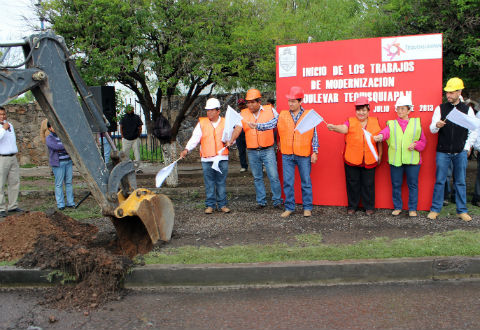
241, 143
62, 167
9, 170
453, 146
131, 129
260, 147
208, 132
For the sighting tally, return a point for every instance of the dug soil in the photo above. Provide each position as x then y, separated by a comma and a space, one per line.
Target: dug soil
87, 248
55, 241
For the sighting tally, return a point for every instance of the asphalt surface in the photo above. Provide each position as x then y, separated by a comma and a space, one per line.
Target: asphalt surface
419, 305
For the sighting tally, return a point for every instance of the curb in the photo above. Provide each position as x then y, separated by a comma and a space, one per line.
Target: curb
291, 273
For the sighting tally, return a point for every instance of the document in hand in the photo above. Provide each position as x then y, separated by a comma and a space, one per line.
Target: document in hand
311, 120
232, 119
464, 120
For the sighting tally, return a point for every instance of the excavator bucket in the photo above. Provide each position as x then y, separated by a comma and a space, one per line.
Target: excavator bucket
142, 219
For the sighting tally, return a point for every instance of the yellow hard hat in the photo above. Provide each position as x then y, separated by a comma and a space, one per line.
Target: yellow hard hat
253, 94
454, 84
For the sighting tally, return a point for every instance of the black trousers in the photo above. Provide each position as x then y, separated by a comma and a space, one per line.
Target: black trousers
242, 150
360, 185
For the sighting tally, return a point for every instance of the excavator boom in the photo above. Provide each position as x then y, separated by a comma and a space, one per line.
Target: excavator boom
140, 216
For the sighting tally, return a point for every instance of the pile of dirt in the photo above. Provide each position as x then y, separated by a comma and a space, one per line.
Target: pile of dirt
58, 242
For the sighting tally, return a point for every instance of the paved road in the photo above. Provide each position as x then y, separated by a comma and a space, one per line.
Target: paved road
432, 305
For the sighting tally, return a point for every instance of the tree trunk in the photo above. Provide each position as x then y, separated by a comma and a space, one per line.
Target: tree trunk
170, 155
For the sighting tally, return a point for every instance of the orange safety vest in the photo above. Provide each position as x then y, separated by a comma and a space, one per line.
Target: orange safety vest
253, 137
291, 141
211, 141
357, 151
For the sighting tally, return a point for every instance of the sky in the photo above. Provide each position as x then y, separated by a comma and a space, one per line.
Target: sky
12, 24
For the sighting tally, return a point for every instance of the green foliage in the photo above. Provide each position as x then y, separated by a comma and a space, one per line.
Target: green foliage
25, 98
29, 165
64, 277
8, 263
453, 243
458, 20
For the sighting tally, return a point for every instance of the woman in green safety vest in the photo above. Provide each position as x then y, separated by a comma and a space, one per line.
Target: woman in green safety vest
405, 139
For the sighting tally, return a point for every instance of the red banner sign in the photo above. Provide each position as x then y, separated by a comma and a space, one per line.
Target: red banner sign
334, 73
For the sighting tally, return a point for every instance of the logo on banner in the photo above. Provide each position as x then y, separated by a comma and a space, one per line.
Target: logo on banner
393, 49
412, 48
287, 61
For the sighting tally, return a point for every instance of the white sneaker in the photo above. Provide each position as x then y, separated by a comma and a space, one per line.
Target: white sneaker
243, 169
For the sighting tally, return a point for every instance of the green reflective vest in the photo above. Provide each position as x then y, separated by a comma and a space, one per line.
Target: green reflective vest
398, 142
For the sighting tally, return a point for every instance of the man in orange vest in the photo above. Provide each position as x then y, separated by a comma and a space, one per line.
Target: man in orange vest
260, 148
298, 150
208, 133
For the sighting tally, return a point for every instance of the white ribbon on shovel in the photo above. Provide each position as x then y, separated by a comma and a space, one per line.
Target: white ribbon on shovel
163, 173
216, 160
368, 137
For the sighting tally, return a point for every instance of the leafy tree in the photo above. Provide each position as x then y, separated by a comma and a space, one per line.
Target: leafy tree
156, 47
458, 20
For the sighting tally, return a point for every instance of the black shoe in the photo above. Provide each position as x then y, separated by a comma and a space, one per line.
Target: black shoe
278, 206
61, 208
70, 206
16, 210
3, 214
446, 202
477, 204
260, 206
139, 171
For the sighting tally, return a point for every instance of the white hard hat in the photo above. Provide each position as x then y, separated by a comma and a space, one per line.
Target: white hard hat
404, 101
212, 103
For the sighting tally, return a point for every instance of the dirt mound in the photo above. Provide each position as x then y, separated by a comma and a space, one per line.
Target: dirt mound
58, 242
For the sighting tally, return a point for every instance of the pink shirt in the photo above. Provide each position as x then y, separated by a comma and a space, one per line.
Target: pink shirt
419, 145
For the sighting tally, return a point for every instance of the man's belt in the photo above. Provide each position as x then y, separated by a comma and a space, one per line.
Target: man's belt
259, 148
8, 155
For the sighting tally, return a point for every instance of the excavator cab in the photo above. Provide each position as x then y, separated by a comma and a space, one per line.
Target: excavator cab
140, 216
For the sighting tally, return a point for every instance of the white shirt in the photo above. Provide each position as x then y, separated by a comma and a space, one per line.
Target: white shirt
472, 135
8, 142
197, 136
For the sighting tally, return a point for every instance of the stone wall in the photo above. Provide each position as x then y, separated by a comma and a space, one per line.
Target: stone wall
26, 121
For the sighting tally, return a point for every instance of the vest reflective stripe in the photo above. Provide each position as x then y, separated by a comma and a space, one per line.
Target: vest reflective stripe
291, 141
253, 137
211, 141
356, 147
398, 142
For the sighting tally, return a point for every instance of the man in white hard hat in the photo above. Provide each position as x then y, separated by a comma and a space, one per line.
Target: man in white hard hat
453, 147
208, 133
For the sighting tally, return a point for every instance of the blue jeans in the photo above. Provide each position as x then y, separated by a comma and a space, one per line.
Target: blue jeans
215, 184
63, 173
396, 174
459, 162
106, 148
304, 166
258, 158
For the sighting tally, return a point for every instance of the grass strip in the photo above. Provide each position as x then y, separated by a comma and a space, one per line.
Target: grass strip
452, 243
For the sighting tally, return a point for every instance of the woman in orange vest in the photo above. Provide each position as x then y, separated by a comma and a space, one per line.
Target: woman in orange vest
208, 133
362, 154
